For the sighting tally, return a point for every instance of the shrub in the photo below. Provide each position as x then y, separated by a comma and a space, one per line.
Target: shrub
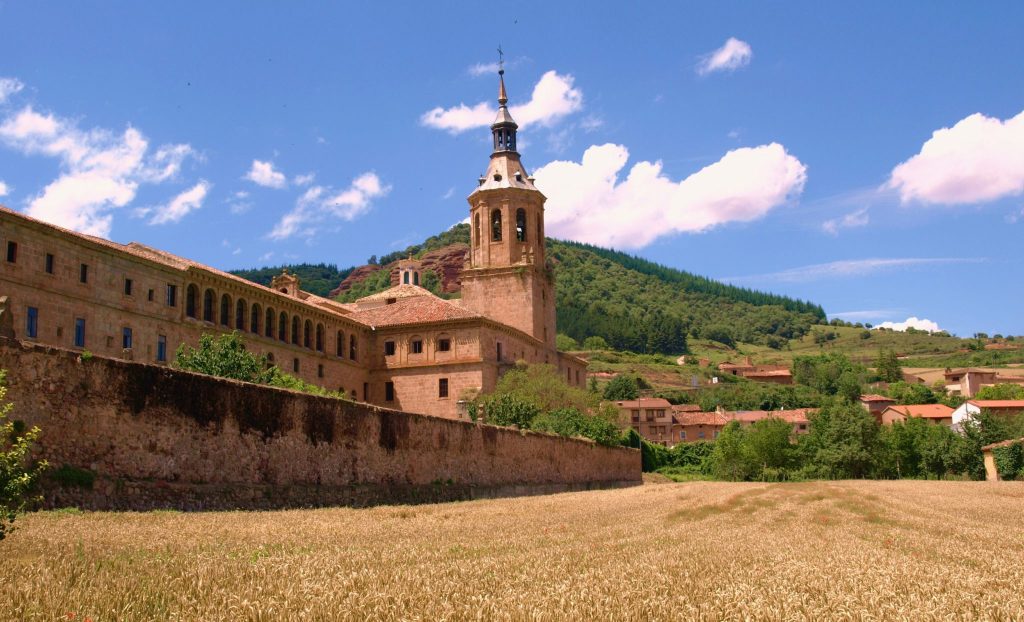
17, 476
622, 387
74, 477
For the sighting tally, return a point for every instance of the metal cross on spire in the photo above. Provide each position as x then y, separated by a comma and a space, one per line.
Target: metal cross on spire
501, 60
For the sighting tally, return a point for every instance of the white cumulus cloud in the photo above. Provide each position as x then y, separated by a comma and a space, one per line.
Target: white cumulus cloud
730, 57
553, 98
911, 322
3, 189
591, 202
8, 87
319, 203
858, 218
979, 159
263, 174
101, 170
181, 205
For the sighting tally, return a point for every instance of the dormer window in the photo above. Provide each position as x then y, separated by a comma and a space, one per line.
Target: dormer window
497, 177
391, 301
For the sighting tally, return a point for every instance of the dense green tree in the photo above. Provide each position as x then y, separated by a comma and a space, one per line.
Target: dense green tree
767, 444
595, 342
1003, 391
224, 356
600, 427
911, 393
888, 366
508, 409
565, 343
830, 373
17, 475
729, 460
622, 387
842, 441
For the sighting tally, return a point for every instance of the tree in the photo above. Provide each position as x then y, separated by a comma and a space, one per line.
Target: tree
507, 409
719, 333
17, 476
888, 366
911, 393
565, 343
1001, 392
622, 387
224, 356
768, 445
729, 460
595, 342
843, 440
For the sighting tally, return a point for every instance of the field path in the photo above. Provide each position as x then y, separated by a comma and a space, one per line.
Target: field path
694, 551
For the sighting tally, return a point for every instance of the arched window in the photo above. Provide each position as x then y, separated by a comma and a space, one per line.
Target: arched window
352, 347
496, 225
339, 344
191, 294
282, 327
319, 337
225, 310
240, 314
521, 224
208, 298
296, 327
307, 338
476, 228
405, 278
415, 278
255, 317
268, 326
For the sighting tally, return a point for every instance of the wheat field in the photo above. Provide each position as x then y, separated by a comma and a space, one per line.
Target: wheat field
692, 551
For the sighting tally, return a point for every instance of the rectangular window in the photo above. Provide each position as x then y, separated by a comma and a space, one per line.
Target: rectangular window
126, 338
79, 332
32, 323
366, 391
700, 434
389, 348
417, 346
499, 352
161, 348
49, 263
295, 365
444, 345
682, 435
12, 252
172, 295
150, 295
83, 273
128, 287
442, 387
319, 371
389, 391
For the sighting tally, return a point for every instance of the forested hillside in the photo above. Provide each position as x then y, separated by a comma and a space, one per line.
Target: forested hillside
632, 303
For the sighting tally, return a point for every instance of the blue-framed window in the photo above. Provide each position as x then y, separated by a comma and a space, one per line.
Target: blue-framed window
126, 337
161, 348
80, 332
32, 323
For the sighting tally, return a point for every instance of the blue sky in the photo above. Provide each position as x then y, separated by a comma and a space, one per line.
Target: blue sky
869, 157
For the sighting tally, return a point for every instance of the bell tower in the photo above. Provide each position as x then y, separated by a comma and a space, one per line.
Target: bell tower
506, 277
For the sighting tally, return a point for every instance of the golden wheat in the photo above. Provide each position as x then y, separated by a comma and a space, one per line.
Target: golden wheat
695, 551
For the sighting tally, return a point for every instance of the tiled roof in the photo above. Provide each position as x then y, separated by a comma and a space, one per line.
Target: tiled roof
412, 310
403, 290
871, 397
768, 372
925, 411
700, 418
685, 408
644, 402
998, 403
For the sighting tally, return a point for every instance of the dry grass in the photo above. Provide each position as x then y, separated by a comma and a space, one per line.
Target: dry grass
695, 551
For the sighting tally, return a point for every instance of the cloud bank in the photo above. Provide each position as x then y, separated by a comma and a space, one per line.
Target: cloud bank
979, 159
730, 57
911, 322
590, 201
101, 170
553, 98
851, 268
320, 203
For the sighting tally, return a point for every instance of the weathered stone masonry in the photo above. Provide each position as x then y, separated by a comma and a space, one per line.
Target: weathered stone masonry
157, 437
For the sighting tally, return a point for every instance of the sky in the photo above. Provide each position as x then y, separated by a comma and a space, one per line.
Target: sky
868, 156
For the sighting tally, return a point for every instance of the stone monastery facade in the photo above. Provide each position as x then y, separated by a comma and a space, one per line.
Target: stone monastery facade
403, 348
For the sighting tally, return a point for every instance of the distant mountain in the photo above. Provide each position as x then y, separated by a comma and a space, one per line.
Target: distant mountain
634, 304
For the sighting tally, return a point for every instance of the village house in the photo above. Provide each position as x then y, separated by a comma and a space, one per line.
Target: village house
876, 404
662, 423
777, 374
938, 414
403, 348
967, 382
1001, 408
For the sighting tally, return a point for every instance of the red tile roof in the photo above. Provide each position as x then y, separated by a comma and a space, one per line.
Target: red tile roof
685, 408
644, 402
871, 397
925, 411
701, 418
414, 310
998, 403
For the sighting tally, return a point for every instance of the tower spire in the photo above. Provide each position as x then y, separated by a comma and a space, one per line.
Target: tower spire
502, 95
504, 127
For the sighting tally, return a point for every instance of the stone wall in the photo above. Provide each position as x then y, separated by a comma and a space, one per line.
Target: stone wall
157, 437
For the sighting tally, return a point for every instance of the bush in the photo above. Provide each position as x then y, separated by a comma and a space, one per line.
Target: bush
622, 387
73, 477
17, 476
509, 410
1009, 460
595, 342
224, 356
565, 343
